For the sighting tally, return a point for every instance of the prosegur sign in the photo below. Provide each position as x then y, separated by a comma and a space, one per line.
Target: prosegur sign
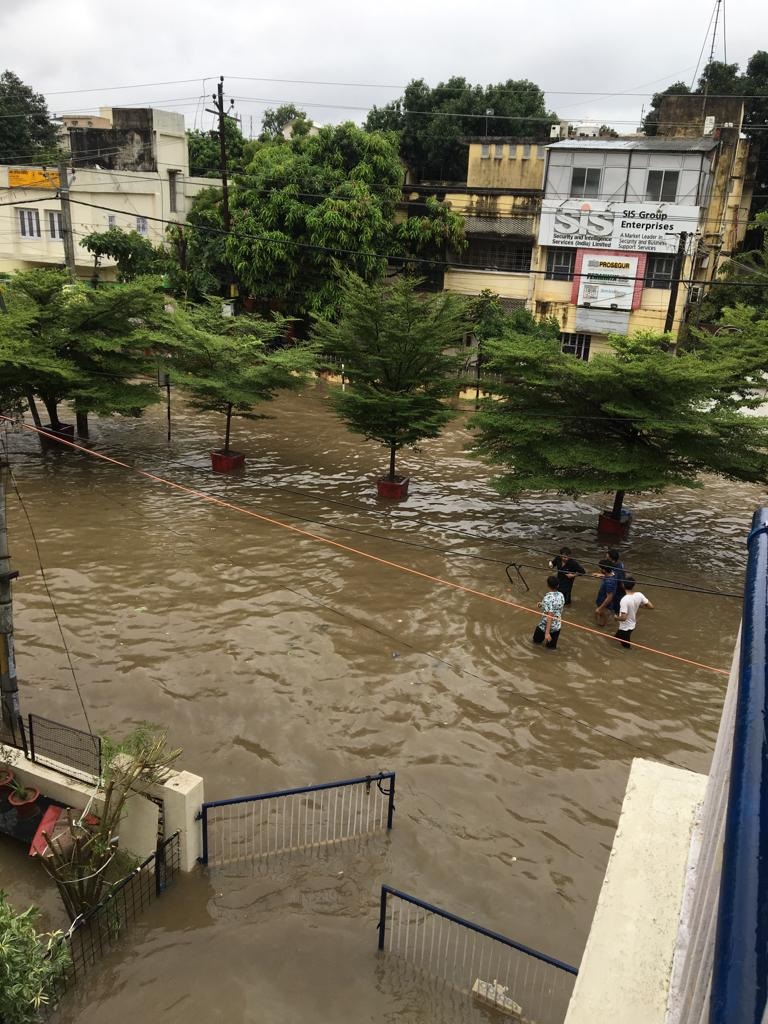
628, 227
607, 280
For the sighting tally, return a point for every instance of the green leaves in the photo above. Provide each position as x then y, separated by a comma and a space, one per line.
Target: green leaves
30, 964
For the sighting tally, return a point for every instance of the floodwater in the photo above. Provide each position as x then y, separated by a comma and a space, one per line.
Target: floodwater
278, 661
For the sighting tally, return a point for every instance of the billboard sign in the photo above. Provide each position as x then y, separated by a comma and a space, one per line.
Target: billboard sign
607, 280
629, 227
26, 177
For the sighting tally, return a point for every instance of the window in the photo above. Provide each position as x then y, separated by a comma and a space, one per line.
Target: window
498, 151
585, 181
485, 150
142, 225
513, 151
527, 151
662, 186
173, 181
496, 254
29, 223
55, 224
560, 264
111, 221
576, 345
658, 271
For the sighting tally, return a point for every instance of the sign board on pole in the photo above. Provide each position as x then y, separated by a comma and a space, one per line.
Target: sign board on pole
629, 227
32, 177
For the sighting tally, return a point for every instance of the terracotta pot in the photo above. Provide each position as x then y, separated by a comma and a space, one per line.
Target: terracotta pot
26, 806
6, 778
226, 462
394, 490
609, 526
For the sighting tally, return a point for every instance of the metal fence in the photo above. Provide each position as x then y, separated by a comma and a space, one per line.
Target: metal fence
63, 747
97, 932
244, 828
496, 971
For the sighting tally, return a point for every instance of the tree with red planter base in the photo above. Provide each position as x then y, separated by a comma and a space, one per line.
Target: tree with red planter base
231, 364
639, 419
401, 354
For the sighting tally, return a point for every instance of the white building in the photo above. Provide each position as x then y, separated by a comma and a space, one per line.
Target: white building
129, 169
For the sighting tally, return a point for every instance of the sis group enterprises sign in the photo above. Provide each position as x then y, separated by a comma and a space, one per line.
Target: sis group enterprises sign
626, 227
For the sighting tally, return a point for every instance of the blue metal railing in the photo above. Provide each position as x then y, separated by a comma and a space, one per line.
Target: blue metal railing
344, 831
740, 971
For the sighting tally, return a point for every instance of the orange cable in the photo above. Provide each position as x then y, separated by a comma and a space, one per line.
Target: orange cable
354, 551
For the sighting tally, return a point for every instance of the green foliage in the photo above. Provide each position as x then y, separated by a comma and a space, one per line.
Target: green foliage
134, 255
232, 364
31, 964
639, 420
74, 342
395, 345
197, 266
743, 279
432, 138
274, 121
205, 153
27, 133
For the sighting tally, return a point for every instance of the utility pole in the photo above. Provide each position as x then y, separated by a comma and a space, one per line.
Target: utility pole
9, 687
218, 102
677, 270
66, 219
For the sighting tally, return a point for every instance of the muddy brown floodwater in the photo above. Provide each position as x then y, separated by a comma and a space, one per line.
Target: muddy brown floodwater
276, 661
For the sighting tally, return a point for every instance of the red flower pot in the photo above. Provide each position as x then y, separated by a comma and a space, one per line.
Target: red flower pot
394, 490
226, 462
6, 778
609, 526
26, 806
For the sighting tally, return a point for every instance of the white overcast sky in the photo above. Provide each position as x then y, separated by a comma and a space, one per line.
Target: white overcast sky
604, 47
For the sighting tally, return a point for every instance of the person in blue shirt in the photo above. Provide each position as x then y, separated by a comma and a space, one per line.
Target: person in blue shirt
606, 595
548, 630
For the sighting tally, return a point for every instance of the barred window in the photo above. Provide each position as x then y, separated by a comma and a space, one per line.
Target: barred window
658, 271
29, 223
55, 224
142, 225
560, 264
497, 254
576, 345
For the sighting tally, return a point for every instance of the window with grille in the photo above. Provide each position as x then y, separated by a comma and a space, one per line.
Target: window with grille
658, 271
142, 225
576, 345
173, 192
485, 150
560, 264
662, 186
111, 220
55, 224
29, 223
498, 151
497, 254
585, 182
527, 151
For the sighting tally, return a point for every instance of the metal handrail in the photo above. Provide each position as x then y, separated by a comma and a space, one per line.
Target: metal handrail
388, 890
740, 971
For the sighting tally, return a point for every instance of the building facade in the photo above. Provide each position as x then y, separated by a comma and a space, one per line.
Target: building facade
128, 169
607, 235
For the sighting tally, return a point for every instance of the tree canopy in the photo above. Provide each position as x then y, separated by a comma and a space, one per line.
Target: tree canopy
273, 122
205, 154
637, 420
27, 133
433, 123
399, 350
134, 254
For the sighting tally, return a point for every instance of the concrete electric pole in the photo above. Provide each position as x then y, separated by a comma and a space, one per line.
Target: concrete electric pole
66, 220
677, 270
223, 116
9, 687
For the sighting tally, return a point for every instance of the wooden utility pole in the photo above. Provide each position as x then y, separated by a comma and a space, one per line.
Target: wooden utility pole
677, 270
66, 220
9, 687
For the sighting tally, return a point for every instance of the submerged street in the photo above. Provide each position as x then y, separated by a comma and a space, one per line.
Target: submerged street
277, 661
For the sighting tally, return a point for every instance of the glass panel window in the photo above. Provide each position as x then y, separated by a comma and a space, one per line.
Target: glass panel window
658, 271
111, 220
142, 225
55, 224
560, 264
662, 186
576, 345
585, 182
29, 224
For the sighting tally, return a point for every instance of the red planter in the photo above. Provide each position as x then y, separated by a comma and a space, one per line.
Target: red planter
6, 778
226, 462
394, 490
609, 526
25, 806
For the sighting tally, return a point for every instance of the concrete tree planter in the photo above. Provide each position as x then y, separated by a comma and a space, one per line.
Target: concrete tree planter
393, 490
226, 462
49, 439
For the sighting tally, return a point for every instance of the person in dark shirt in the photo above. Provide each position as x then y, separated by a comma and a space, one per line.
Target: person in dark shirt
606, 595
567, 570
614, 557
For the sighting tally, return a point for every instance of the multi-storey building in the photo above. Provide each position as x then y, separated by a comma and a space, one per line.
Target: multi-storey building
607, 235
128, 168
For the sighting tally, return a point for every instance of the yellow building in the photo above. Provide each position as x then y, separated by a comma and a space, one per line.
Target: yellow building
595, 232
128, 168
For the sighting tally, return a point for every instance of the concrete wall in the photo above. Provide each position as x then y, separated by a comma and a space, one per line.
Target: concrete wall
506, 163
472, 282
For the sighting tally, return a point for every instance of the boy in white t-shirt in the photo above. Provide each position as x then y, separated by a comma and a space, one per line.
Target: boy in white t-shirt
631, 603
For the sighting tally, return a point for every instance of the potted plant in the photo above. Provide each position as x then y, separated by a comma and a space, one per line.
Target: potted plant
400, 350
23, 798
31, 965
6, 772
230, 364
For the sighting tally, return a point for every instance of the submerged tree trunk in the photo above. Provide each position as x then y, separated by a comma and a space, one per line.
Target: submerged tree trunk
392, 456
82, 424
52, 408
229, 424
33, 409
618, 503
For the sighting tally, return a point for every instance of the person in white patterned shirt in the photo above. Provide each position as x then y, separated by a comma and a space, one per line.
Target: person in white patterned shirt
548, 630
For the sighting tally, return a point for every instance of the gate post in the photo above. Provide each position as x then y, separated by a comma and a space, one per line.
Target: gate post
204, 823
391, 808
382, 916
